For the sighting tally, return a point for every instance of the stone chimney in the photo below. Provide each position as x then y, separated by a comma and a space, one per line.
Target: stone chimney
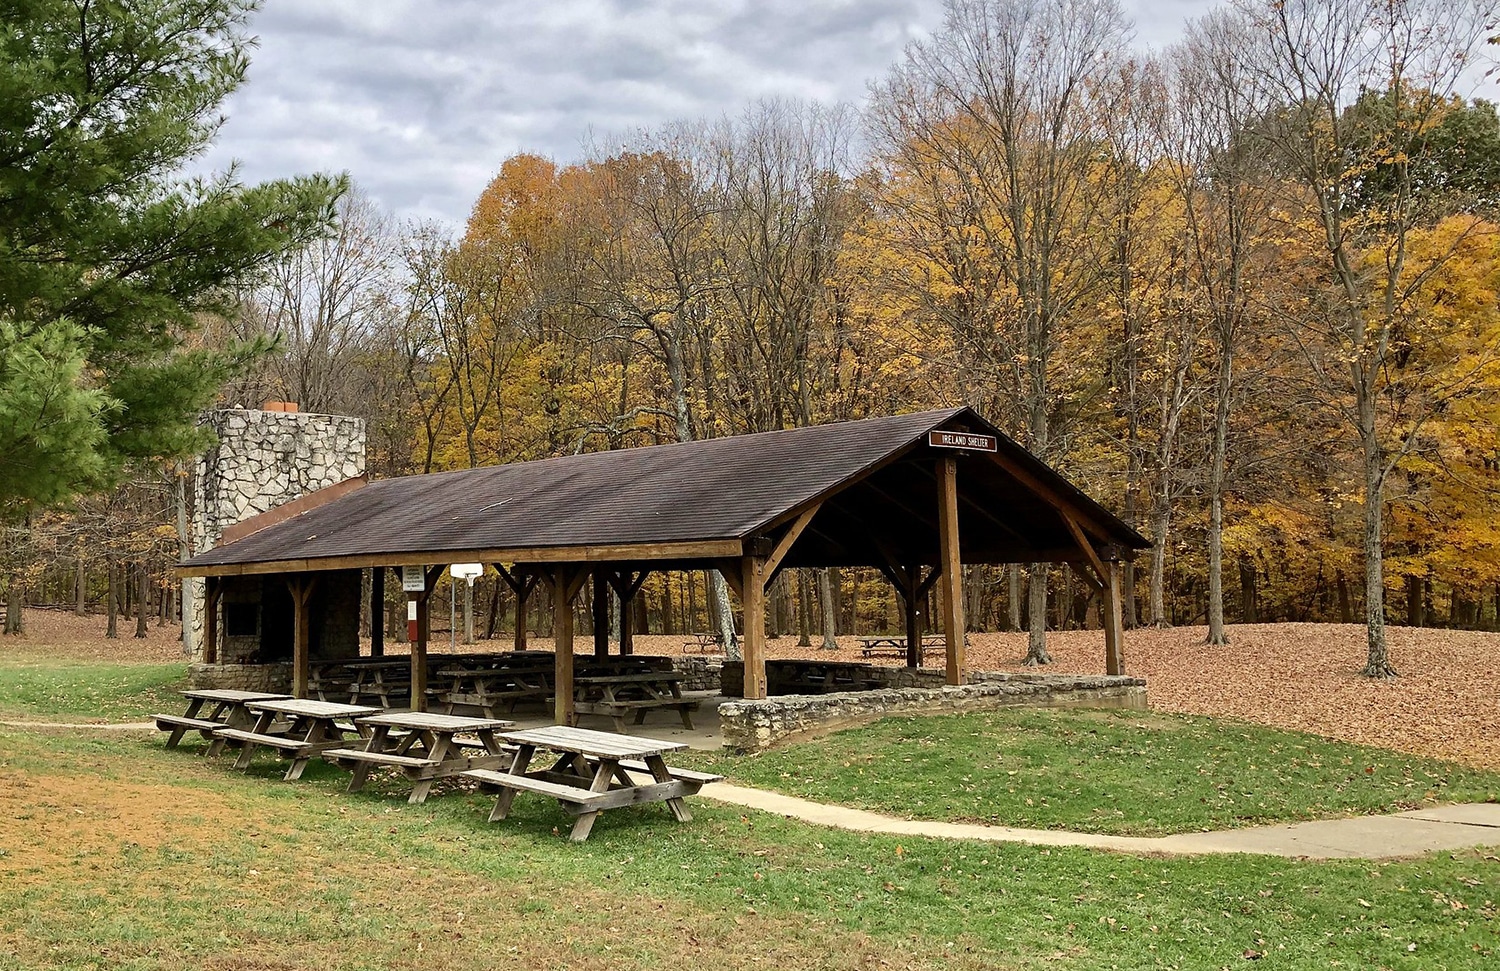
263, 458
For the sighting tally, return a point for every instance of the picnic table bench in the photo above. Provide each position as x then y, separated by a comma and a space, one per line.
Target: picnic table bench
313, 727
616, 694
592, 774
894, 645
228, 711
424, 750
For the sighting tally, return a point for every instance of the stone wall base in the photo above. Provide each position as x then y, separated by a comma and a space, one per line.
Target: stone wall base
702, 673
750, 726
241, 677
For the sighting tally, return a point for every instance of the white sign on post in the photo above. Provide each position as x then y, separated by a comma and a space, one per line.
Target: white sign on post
413, 579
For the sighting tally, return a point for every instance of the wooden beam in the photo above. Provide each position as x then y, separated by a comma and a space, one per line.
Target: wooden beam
521, 582
627, 584
377, 611
213, 592
565, 582
784, 545
1088, 548
1041, 491
622, 553
301, 589
952, 586
601, 615
753, 643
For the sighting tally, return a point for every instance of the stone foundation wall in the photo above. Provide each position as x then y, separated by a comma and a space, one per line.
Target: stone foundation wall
241, 677
699, 673
748, 726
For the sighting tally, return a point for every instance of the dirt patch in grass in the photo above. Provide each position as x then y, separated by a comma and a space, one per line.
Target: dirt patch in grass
48, 821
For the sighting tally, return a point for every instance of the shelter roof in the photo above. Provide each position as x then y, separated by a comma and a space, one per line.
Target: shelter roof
698, 500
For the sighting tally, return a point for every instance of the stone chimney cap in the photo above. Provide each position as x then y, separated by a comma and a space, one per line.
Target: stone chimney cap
287, 406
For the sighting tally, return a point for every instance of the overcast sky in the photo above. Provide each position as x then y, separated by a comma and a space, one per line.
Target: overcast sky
420, 102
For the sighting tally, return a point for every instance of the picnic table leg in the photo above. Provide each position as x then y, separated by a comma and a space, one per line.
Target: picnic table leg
661, 773
375, 743
687, 716
602, 776
437, 751
262, 725
518, 767
315, 733
195, 705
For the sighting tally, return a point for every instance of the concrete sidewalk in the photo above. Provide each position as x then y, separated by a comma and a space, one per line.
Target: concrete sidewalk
1366, 837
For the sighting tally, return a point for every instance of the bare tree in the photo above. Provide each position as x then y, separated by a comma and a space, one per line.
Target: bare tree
1002, 103
1358, 86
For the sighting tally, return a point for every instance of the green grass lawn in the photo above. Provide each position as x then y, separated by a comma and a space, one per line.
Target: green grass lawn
1103, 771
116, 853
49, 689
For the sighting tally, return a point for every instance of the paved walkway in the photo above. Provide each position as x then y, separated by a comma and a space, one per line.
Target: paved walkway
1413, 833
1366, 837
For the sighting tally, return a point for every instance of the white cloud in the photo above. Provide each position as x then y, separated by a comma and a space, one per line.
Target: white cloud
421, 101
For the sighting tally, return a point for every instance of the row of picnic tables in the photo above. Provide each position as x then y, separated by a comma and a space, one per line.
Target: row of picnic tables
593, 771
489, 684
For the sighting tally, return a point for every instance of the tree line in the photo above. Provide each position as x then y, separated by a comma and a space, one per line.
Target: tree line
1244, 290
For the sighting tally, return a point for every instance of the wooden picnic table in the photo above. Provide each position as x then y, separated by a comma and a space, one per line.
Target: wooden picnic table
813, 676
486, 688
592, 774
616, 694
424, 749
228, 711
314, 727
894, 645
704, 641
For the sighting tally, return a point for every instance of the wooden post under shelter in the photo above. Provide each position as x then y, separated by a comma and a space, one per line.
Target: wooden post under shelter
951, 583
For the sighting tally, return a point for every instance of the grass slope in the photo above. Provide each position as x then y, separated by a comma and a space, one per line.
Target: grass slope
42, 687
119, 854
1101, 771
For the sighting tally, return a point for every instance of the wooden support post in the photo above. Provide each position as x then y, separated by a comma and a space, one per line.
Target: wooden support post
301, 589
952, 581
753, 643
377, 611
601, 614
418, 701
1114, 622
565, 584
627, 584
213, 592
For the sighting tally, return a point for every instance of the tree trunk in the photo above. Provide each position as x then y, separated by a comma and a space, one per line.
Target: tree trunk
804, 609
14, 601
112, 631
1248, 608
1216, 635
1036, 641
80, 588
830, 612
143, 597
1160, 524
719, 590
1378, 664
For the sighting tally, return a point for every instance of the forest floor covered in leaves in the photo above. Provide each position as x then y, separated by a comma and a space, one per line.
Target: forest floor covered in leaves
1445, 702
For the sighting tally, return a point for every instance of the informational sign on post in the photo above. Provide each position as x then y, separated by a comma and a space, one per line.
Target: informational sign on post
413, 579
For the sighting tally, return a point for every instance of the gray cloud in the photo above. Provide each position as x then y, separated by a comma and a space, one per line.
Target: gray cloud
421, 101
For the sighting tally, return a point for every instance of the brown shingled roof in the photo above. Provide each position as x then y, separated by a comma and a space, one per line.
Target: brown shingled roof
697, 500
